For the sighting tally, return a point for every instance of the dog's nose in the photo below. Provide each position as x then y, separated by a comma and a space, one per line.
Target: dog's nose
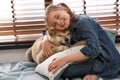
66, 40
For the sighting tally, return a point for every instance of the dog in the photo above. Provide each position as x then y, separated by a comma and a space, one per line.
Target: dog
60, 38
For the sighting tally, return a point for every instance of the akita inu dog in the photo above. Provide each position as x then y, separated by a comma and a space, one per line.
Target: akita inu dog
59, 38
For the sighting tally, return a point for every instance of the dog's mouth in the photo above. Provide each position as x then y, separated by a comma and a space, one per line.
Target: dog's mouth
62, 43
65, 44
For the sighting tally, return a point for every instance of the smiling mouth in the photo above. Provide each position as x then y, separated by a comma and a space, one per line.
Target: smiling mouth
63, 23
62, 43
65, 44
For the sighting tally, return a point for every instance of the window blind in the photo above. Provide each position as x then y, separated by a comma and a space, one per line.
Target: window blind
105, 11
25, 21
76, 6
6, 20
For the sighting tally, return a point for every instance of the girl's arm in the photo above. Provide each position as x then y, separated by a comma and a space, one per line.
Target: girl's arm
59, 62
76, 56
46, 46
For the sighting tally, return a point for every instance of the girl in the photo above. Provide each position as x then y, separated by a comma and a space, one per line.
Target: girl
98, 58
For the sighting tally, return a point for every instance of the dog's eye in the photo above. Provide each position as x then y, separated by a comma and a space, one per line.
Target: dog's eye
51, 33
60, 35
68, 33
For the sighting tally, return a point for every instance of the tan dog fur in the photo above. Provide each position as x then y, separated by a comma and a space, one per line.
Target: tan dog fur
61, 39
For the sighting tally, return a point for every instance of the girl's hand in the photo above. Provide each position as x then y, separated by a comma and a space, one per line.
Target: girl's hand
56, 64
91, 77
46, 46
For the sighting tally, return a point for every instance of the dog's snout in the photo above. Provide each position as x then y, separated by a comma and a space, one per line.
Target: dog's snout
66, 40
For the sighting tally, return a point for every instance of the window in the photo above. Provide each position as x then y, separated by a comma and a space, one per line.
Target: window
77, 5
105, 11
6, 20
21, 20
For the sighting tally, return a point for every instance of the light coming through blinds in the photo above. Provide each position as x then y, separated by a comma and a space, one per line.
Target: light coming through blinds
107, 12
25, 20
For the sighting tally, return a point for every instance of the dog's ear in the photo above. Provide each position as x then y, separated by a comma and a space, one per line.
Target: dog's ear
51, 32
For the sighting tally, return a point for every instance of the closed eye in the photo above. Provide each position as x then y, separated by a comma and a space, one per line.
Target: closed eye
54, 24
68, 33
60, 35
56, 16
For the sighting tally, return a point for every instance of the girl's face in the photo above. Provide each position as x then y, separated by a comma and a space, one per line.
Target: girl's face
59, 19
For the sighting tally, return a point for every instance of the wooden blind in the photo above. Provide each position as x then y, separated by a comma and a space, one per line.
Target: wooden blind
76, 5
6, 20
25, 20
105, 11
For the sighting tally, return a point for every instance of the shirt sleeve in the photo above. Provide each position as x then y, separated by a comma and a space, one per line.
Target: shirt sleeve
89, 27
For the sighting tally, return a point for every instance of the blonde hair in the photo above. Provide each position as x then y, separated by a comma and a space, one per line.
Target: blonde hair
53, 7
50, 8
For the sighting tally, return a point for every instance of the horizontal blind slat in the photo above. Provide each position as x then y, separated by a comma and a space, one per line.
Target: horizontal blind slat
107, 17
29, 22
110, 22
7, 33
27, 16
29, 32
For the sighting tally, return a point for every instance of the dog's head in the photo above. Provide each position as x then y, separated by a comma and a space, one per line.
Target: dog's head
59, 37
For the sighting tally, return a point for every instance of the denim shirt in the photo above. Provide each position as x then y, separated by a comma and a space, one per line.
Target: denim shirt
100, 48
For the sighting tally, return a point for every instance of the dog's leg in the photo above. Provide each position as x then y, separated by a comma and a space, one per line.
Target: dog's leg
60, 48
39, 57
28, 55
67, 79
83, 42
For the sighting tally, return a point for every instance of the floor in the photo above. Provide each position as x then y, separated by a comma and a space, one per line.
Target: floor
12, 55
15, 55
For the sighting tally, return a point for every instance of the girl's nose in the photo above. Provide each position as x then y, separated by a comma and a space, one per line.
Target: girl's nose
58, 21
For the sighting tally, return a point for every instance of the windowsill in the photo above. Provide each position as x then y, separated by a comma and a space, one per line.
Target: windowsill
22, 41
19, 45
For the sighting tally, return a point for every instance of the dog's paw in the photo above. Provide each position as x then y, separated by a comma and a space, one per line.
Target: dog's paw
39, 58
65, 47
60, 48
